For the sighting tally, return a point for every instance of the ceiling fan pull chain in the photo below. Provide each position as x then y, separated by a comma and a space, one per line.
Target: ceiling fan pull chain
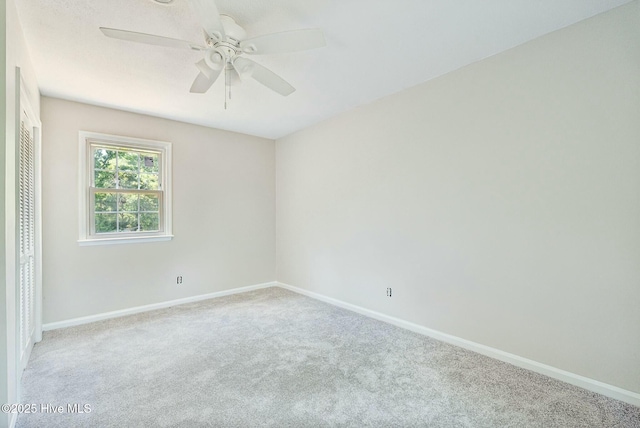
226, 78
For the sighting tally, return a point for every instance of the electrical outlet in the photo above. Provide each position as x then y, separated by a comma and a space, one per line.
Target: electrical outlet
389, 291
179, 280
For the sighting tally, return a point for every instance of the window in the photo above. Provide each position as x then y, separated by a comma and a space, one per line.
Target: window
125, 193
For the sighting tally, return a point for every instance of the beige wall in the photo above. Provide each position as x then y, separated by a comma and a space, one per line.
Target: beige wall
501, 202
13, 53
223, 216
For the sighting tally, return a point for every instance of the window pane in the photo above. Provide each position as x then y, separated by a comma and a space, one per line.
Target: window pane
104, 159
128, 180
124, 189
149, 163
106, 223
129, 202
148, 203
128, 222
149, 222
105, 201
128, 161
105, 179
149, 181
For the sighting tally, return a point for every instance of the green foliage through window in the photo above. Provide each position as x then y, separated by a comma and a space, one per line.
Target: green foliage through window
125, 169
127, 191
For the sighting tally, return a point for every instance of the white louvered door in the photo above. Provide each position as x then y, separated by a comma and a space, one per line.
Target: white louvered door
27, 229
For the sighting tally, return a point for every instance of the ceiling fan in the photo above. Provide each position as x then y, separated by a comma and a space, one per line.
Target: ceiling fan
225, 46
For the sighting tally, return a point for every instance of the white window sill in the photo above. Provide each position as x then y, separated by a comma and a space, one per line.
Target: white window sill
123, 240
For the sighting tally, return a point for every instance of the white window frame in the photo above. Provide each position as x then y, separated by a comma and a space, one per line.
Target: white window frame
87, 236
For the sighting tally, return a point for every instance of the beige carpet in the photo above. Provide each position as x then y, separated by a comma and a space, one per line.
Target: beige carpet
275, 358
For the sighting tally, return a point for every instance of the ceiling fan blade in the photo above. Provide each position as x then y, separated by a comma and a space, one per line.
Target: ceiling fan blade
208, 13
204, 68
149, 39
203, 81
248, 68
287, 41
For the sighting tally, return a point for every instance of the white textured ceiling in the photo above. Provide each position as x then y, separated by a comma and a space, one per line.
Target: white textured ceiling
374, 48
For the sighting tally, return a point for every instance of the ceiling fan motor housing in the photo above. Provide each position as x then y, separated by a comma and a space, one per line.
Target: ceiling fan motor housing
232, 30
223, 51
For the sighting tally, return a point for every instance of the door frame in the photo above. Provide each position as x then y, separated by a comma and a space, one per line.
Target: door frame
23, 104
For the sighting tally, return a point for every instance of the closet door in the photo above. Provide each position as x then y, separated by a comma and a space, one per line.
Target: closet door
27, 239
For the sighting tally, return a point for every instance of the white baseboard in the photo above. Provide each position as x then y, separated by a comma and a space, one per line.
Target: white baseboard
151, 307
553, 372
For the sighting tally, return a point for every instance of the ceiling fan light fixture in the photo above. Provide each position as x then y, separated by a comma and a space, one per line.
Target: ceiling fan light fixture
215, 59
225, 46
